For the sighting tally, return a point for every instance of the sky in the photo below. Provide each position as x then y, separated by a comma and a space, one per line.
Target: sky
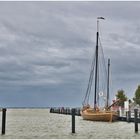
46, 50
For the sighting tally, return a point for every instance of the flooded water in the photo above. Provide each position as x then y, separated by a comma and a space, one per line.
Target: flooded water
40, 124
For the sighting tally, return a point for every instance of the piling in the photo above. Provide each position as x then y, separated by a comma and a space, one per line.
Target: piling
136, 120
51, 110
3, 121
73, 120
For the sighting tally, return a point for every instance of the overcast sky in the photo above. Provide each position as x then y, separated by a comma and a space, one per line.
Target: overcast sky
46, 50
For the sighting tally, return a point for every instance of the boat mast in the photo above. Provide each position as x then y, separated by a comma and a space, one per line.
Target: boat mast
108, 83
96, 63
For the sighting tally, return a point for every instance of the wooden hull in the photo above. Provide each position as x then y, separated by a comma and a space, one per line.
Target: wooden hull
89, 114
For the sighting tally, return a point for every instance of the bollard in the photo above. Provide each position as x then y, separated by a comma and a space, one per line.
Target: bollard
3, 120
51, 110
73, 120
136, 120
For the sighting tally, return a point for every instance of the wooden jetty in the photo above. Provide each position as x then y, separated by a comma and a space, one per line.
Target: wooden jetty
66, 111
128, 117
125, 119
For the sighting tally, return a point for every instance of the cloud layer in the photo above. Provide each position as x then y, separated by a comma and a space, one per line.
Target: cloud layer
46, 50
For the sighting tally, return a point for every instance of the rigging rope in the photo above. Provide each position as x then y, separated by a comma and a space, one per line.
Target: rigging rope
104, 70
101, 68
86, 99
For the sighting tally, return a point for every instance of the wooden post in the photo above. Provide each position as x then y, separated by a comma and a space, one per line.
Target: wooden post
136, 120
3, 120
50, 110
73, 120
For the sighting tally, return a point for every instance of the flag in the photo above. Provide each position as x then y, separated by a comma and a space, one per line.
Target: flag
100, 18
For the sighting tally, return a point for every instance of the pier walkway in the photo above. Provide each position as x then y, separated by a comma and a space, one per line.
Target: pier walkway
127, 116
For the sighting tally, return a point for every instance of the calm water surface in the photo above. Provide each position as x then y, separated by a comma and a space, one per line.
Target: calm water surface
40, 124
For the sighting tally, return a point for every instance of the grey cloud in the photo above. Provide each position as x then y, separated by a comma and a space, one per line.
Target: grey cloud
55, 63
46, 49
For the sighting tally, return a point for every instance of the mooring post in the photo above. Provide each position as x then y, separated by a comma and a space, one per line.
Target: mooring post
3, 120
136, 120
73, 120
50, 110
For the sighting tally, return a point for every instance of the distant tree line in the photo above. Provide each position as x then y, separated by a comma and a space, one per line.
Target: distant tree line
137, 96
122, 97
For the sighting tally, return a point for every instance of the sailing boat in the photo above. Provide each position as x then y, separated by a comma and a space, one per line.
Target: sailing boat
95, 113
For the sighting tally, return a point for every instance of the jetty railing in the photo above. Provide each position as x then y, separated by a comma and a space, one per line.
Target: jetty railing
129, 116
66, 111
